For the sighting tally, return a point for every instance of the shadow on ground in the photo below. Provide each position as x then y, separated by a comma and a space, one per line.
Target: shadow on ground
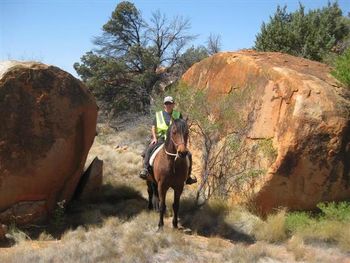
210, 221
125, 202
121, 201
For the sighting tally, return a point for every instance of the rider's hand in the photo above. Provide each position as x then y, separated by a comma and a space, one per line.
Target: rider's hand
154, 141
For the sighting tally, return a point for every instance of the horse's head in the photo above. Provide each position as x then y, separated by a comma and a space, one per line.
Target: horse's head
178, 135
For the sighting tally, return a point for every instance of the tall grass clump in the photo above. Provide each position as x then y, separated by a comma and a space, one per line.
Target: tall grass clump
16, 235
297, 247
273, 229
331, 224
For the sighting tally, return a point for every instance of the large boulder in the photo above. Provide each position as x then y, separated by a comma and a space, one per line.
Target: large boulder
48, 124
90, 182
297, 106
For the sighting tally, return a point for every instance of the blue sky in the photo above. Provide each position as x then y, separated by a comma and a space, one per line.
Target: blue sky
59, 32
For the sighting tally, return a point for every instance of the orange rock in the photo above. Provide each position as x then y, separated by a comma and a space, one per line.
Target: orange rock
91, 181
3, 231
48, 124
297, 105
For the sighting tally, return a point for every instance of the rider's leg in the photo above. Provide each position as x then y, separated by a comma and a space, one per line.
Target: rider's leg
146, 167
145, 170
189, 179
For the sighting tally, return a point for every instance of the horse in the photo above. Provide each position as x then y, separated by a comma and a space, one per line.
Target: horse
170, 170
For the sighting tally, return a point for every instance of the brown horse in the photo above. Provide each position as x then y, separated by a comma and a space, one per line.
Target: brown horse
170, 170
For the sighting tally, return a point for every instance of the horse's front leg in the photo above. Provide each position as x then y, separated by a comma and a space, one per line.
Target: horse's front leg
176, 204
162, 195
155, 197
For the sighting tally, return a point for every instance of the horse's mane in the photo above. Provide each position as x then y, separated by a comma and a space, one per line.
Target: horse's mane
180, 126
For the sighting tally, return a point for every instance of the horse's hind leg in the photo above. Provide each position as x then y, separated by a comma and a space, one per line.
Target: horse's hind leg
150, 195
176, 205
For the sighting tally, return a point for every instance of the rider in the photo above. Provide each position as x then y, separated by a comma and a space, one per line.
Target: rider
160, 126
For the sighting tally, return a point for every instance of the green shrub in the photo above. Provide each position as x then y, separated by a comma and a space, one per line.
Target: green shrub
335, 211
298, 220
266, 146
342, 68
330, 225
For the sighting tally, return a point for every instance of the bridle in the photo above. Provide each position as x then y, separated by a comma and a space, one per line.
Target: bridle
176, 155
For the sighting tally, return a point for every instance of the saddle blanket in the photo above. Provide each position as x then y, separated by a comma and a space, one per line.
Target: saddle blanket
154, 154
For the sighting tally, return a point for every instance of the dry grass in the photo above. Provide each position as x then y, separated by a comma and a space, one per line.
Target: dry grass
242, 220
121, 152
273, 229
136, 240
297, 247
17, 235
333, 232
255, 253
117, 228
132, 241
344, 238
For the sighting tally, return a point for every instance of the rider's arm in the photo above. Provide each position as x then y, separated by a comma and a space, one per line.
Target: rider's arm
154, 135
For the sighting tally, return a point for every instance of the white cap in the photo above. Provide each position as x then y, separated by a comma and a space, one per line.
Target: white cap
168, 99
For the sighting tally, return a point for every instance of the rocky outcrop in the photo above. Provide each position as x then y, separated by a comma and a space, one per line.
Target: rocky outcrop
91, 181
48, 124
301, 109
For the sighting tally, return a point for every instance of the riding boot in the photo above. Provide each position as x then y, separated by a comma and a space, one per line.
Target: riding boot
144, 173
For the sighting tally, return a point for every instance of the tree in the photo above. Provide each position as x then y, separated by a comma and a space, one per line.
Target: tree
122, 70
214, 44
312, 35
192, 55
218, 129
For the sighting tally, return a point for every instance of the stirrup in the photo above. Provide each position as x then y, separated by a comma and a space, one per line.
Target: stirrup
144, 174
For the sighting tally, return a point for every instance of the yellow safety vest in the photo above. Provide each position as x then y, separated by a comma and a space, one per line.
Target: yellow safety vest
162, 127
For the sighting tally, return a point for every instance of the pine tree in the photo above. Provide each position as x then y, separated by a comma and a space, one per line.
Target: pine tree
312, 35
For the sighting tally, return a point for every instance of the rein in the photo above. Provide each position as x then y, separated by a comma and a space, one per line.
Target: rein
176, 155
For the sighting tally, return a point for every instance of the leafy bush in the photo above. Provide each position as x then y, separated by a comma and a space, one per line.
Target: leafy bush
330, 225
342, 68
266, 146
311, 35
335, 211
298, 220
